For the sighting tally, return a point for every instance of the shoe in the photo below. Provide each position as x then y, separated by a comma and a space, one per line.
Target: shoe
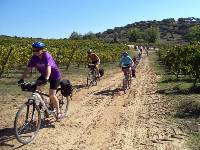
60, 116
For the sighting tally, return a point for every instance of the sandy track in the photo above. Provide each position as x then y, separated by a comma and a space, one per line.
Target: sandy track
104, 118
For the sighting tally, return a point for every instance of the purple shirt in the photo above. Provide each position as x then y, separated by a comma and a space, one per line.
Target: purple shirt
41, 65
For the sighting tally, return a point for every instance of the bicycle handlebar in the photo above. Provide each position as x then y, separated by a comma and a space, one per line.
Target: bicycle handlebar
31, 87
28, 86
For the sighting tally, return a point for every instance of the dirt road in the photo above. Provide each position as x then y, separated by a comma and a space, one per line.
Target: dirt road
104, 118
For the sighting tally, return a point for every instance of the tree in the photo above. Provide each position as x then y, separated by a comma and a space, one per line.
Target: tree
151, 35
75, 36
194, 33
134, 35
89, 35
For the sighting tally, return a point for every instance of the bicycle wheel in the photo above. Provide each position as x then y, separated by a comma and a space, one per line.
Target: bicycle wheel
94, 77
89, 80
63, 102
124, 85
27, 122
129, 81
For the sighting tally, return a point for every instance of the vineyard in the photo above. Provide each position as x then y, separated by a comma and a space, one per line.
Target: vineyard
182, 60
15, 52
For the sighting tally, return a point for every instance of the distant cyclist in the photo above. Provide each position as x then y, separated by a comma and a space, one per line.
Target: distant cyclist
140, 51
45, 64
126, 63
94, 59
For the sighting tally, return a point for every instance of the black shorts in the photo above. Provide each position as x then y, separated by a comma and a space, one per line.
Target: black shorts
54, 84
126, 66
95, 62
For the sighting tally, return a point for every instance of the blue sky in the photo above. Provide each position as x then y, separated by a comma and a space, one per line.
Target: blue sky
59, 18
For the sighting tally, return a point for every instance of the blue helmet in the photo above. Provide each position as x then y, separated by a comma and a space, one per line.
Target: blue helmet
38, 45
124, 54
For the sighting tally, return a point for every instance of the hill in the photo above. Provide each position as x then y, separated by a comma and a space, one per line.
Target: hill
171, 30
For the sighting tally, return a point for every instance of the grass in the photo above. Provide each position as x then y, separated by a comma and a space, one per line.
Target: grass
194, 142
184, 99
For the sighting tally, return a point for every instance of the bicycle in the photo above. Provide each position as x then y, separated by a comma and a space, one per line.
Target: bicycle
28, 118
92, 76
127, 80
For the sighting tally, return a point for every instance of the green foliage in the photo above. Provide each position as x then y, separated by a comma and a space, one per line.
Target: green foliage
194, 33
75, 36
151, 35
134, 35
182, 60
63, 51
194, 143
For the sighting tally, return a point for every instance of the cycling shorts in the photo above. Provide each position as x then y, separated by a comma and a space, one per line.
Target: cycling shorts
54, 84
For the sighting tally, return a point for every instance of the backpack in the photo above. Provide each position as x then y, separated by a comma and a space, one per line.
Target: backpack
66, 88
101, 72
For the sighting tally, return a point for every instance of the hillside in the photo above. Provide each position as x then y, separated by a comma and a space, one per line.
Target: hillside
171, 30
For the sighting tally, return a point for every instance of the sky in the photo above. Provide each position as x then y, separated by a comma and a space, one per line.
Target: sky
59, 18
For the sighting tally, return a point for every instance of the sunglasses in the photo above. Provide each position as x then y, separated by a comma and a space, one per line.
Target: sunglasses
36, 50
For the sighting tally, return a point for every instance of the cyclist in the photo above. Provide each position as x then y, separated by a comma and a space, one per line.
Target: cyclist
135, 63
45, 64
94, 59
126, 63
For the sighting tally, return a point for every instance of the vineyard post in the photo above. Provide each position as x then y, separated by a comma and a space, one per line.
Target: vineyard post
5, 61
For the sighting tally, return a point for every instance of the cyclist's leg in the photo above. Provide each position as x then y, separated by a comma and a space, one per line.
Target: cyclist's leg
54, 99
130, 72
52, 94
124, 72
97, 69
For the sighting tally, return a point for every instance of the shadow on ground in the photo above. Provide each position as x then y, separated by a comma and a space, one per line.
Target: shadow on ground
109, 92
7, 135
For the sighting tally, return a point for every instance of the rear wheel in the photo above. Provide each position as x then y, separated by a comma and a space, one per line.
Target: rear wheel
63, 102
27, 122
124, 85
129, 81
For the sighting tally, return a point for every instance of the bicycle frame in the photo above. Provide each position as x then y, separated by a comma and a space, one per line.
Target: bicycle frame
91, 77
33, 107
37, 99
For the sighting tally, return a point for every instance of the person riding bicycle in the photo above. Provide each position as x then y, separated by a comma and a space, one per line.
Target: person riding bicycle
94, 59
45, 64
126, 63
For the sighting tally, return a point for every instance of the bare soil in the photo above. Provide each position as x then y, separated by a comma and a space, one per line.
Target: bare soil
103, 118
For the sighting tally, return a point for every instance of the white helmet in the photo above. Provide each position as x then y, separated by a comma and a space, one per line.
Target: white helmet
89, 51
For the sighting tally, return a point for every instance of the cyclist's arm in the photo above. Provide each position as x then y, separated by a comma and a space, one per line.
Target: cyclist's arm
48, 72
48, 62
97, 58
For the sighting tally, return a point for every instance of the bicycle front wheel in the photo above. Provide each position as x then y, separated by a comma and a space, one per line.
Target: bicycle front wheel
27, 122
89, 79
94, 77
63, 102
